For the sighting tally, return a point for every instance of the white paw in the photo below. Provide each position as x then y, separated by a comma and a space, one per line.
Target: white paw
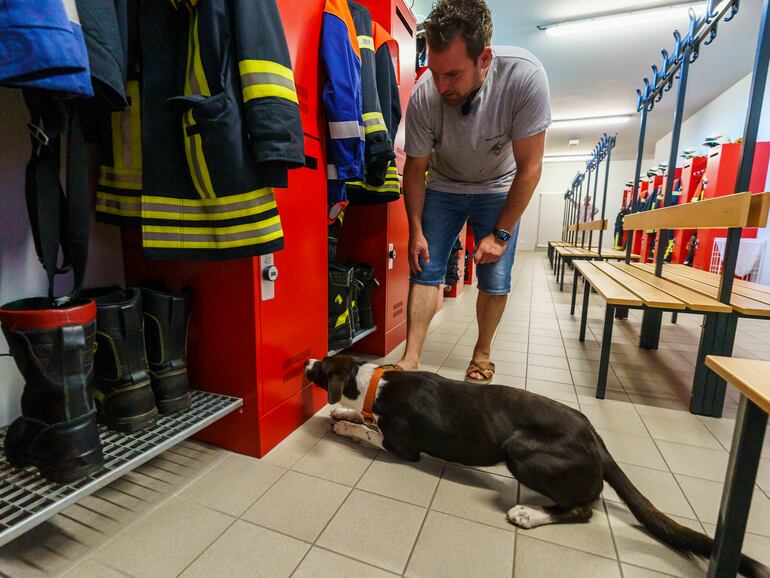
343, 428
528, 517
337, 414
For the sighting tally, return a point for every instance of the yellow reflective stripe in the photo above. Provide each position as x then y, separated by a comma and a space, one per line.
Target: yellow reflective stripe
268, 90
195, 237
252, 71
123, 205
150, 214
257, 193
120, 178
195, 78
213, 230
342, 319
373, 122
366, 43
388, 187
196, 160
135, 123
375, 128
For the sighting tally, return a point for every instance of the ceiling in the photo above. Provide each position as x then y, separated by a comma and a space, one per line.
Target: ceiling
597, 74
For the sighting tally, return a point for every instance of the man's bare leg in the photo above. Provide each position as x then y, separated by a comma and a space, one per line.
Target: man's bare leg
423, 300
489, 311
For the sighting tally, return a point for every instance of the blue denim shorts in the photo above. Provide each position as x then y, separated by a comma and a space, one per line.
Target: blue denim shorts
443, 217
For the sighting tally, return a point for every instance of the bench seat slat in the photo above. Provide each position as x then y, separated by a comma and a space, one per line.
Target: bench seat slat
610, 290
695, 301
749, 376
651, 296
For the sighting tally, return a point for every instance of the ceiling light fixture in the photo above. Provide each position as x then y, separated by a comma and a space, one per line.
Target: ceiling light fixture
635, 18
566, 158
591, 121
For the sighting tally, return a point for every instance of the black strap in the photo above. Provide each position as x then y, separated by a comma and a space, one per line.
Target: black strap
58, 217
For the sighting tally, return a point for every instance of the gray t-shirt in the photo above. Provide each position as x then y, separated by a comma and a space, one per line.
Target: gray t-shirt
473, 153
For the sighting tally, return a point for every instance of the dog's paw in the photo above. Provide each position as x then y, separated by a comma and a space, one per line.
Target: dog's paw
343, 428
528, 517
337, 414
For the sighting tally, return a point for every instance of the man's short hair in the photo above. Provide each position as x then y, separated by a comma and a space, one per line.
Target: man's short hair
470, 20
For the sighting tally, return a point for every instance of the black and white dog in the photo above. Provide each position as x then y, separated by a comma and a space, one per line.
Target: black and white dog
548, 446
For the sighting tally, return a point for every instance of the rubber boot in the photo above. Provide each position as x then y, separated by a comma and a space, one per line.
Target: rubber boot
53, 349
122, 390
364, 274
166, 318
340, 297
356, 289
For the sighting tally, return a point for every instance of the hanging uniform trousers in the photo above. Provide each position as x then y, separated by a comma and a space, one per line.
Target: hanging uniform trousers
220, 127
361, 192
378, 150
342, 94
619, 227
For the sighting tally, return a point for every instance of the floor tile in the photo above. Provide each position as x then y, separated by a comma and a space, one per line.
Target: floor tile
289, 451
233, 485
547, 361
680, 427
754, 545
410, 482
476, 496
298, 505
452, 547
553, 390
621, 420
706, 463
661, 488
320, 563
169, 539
630, 571
245, 550
93, 569
386, 543
549, 374
336, 459
538, 559
633, 450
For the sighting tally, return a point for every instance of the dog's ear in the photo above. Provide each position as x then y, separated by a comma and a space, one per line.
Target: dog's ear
337, 381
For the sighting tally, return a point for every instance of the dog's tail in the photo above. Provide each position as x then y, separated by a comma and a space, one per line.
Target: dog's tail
664, 528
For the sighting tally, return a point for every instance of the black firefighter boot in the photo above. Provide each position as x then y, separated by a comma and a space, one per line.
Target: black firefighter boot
364, 274
166, 317
53, 348
340, 298
122, 389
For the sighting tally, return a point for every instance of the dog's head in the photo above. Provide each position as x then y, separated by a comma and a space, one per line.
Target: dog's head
337, 375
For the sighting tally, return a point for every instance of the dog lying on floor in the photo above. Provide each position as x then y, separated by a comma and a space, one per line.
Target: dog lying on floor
548, 446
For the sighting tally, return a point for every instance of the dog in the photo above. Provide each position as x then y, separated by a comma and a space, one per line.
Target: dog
547, 446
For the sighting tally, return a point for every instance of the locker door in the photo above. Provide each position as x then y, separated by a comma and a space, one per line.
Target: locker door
292, 325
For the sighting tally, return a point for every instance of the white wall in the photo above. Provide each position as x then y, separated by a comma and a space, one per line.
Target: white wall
21, 274
557, 178
725, 115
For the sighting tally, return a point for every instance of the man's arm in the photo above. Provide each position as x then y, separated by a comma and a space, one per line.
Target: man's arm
528, 153
414, 199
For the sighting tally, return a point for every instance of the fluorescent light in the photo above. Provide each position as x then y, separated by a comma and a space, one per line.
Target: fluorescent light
566, 159
635, 18
593, 121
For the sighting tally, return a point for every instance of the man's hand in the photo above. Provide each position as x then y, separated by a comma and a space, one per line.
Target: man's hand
418, 246
488, 251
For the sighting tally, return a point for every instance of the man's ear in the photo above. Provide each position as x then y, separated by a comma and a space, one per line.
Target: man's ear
337, 383
485, 59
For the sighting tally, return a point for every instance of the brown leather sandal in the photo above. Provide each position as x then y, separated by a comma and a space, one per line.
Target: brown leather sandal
392, 367
485, 368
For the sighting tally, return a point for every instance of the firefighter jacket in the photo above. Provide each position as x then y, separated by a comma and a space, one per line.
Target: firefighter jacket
220, 127
361, 192
378, 146
42, 46
341, 60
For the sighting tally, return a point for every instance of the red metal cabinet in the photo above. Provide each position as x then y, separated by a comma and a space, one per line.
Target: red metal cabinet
647, 238
722, 174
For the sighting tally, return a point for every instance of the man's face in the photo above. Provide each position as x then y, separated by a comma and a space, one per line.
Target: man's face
455, 73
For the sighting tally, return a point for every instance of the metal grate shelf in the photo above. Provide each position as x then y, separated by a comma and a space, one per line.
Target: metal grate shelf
358, 336
27, 499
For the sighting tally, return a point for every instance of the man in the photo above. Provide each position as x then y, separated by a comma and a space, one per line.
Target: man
588, 210
476, 124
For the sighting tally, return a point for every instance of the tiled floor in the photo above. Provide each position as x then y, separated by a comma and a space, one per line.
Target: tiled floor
321, 506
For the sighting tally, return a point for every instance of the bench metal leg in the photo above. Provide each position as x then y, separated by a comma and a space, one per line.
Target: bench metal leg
651, 323
708, 389
621, 312
674, 317
584, 312
574, 292
739, 487
604, 360
561, 281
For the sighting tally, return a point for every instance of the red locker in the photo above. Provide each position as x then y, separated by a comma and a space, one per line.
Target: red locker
241, 342
470, 245
692, 176
722, 174
654, 186
636, 246
379, 234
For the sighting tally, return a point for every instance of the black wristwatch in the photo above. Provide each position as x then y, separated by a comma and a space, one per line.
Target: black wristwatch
502, 235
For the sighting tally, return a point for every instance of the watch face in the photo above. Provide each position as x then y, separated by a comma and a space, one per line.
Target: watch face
503, 235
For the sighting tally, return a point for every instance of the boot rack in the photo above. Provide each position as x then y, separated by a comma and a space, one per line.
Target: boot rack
27, 499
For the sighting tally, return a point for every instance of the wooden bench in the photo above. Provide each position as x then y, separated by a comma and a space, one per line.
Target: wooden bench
750, 377
567, 255
634, 288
